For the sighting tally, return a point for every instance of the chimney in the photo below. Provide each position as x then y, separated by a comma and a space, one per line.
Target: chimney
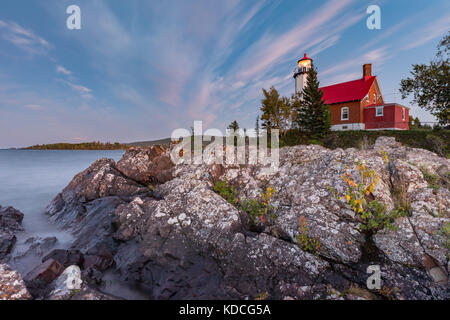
367, 70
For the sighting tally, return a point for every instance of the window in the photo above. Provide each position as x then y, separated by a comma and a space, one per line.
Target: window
403, 114
379, 112
344, 113
374, 98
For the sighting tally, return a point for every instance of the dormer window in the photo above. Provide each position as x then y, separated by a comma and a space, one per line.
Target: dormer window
379, 111
344, 114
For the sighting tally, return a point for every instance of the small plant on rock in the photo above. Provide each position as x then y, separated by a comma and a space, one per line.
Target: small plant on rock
358, 196
260, 210
227, 192
444, 233
306, 242
432, 179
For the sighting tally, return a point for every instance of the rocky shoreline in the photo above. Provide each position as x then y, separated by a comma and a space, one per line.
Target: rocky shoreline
164, 229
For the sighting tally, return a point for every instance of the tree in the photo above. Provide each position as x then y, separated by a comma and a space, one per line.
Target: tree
414, 122
270, 108
257, 126
276, 111
430, 84
234, 126
313, 115
417, 123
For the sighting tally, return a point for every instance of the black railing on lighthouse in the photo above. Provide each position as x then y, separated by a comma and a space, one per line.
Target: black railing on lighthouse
300, 70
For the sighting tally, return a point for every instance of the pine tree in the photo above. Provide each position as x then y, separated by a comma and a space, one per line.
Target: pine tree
257, 126
234, 126
313, 115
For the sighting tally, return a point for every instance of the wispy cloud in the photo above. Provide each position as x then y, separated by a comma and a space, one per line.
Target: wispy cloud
61, 69
23, 38
84, 92
430, 32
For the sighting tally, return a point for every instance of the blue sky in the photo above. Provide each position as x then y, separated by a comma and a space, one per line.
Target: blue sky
139, 69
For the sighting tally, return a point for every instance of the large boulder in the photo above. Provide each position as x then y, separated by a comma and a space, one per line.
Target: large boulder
147, 165
102, 179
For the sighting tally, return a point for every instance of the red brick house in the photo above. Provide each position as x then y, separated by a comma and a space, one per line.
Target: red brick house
357, 104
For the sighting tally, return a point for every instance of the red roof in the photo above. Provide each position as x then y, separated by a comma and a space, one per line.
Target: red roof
347, 91
304, 58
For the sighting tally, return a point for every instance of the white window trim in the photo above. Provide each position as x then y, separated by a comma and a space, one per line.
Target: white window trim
342, 113
376, 111
403, 114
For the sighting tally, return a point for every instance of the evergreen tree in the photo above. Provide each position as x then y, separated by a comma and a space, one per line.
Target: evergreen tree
234, 126
313, 115
257, 126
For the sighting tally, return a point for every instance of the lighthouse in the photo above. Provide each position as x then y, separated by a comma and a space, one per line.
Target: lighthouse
301, 73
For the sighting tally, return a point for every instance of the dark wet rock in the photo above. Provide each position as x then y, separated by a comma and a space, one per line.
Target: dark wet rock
29, 254
10, 224
11, 219
38, 279
12, 287
66, 257
7, 242
147, 165
101, 179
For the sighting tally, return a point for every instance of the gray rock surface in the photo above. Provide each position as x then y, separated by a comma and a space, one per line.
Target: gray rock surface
12, 286
181, 240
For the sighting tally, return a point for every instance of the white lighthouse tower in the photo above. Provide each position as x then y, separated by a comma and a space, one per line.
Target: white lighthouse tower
301, 73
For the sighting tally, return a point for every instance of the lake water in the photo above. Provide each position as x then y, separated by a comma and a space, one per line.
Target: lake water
29, 179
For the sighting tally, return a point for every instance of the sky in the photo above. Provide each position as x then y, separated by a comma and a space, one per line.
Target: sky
139, 69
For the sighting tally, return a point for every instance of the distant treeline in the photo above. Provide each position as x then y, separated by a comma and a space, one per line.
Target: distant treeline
80, 146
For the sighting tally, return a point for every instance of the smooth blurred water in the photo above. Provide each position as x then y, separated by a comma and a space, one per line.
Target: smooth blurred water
29, 179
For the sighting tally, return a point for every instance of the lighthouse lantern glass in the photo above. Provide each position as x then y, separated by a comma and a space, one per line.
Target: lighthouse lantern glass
304, 63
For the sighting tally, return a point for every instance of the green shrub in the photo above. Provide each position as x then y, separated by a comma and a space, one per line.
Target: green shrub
307, 243
260, 210
432, 179
444, 233
362, 139
227, 192
371, 213
435, 144
315, 141
376, 218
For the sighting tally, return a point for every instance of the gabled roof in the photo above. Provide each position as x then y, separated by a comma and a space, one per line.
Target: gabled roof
347, 91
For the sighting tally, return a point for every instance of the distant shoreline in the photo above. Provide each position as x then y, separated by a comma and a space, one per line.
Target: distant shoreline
94, 145
79, 146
